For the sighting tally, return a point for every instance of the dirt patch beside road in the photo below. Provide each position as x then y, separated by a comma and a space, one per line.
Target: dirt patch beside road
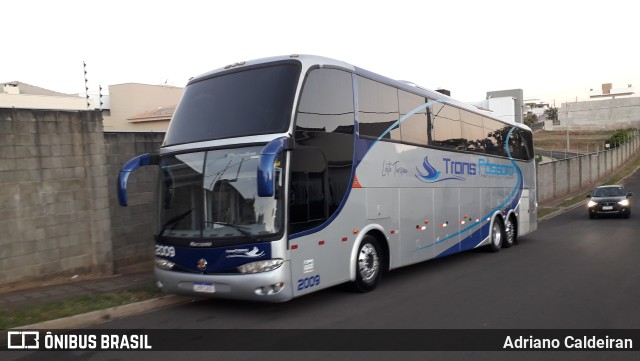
579, 141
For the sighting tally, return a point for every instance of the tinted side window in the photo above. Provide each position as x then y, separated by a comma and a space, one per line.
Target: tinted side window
472, 131
321, 162
524, 144
415, 128
326, 102
527, 138
515, 145
307, 207
495, 137
446, 129
378, 109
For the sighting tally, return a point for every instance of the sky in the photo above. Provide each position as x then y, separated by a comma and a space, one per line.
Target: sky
555, 51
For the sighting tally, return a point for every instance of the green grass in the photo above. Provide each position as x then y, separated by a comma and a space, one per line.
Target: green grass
543, 211
50, 311
575, 200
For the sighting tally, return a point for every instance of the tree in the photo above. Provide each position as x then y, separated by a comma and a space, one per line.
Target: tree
530, 119
551, 113
619, 137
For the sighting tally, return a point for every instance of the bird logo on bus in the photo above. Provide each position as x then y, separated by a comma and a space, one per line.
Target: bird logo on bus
431, 173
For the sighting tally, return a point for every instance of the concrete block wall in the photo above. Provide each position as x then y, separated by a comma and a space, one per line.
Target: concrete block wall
564, 177
575, 173
546, 181
54, 200
132, 227
608, 162
612, 114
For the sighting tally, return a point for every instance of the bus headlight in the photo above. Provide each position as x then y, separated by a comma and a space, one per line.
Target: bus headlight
260, 266
591, 204
164, 264
624, 202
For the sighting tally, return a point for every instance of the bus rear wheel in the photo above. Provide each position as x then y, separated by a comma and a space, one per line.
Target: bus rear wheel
368, 265
509, 233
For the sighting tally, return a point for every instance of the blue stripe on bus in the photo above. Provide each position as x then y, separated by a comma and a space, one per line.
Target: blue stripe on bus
217, 260
468, 243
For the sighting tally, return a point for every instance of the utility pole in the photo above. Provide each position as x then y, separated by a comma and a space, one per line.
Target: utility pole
567, 126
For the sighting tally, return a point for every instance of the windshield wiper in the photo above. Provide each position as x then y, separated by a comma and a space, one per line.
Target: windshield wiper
175, 220
238, 228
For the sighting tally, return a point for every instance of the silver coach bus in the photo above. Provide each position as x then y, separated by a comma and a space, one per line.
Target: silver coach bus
283, 176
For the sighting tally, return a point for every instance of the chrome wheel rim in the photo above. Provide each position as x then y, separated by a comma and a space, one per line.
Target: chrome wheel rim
368, 262
496, 234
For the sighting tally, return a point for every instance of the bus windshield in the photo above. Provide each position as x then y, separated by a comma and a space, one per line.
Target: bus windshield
251, 101
213, 196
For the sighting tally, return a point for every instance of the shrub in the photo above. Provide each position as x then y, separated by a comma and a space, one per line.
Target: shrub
619, 137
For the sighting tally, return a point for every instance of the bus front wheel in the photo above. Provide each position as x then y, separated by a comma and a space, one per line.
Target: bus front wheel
368, 265
497, 236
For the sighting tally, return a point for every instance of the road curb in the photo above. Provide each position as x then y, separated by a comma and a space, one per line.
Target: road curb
100, 316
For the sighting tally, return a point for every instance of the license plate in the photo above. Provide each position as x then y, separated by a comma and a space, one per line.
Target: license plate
607, 208
204, 287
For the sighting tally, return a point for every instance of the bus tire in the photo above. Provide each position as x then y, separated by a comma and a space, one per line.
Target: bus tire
497, 236
368, 265
509, 233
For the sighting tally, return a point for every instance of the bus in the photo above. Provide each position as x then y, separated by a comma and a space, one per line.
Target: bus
282, 176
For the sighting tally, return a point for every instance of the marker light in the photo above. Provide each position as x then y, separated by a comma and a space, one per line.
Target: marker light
260, 266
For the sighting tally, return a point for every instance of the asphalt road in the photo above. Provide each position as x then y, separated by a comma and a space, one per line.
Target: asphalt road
572, 273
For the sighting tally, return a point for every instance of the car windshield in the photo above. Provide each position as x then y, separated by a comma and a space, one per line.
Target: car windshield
213, 195
609, 192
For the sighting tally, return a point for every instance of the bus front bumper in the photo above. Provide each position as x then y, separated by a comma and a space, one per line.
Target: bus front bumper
271, 286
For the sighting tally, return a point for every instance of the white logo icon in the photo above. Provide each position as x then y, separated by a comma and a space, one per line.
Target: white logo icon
23, 340
244, 253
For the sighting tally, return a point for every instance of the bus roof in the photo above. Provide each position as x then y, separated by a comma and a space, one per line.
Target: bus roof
309, 61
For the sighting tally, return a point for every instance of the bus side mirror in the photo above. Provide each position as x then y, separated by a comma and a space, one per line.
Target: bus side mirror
133, 164
266, 166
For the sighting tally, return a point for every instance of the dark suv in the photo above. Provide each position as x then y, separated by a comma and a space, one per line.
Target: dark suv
609, 200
